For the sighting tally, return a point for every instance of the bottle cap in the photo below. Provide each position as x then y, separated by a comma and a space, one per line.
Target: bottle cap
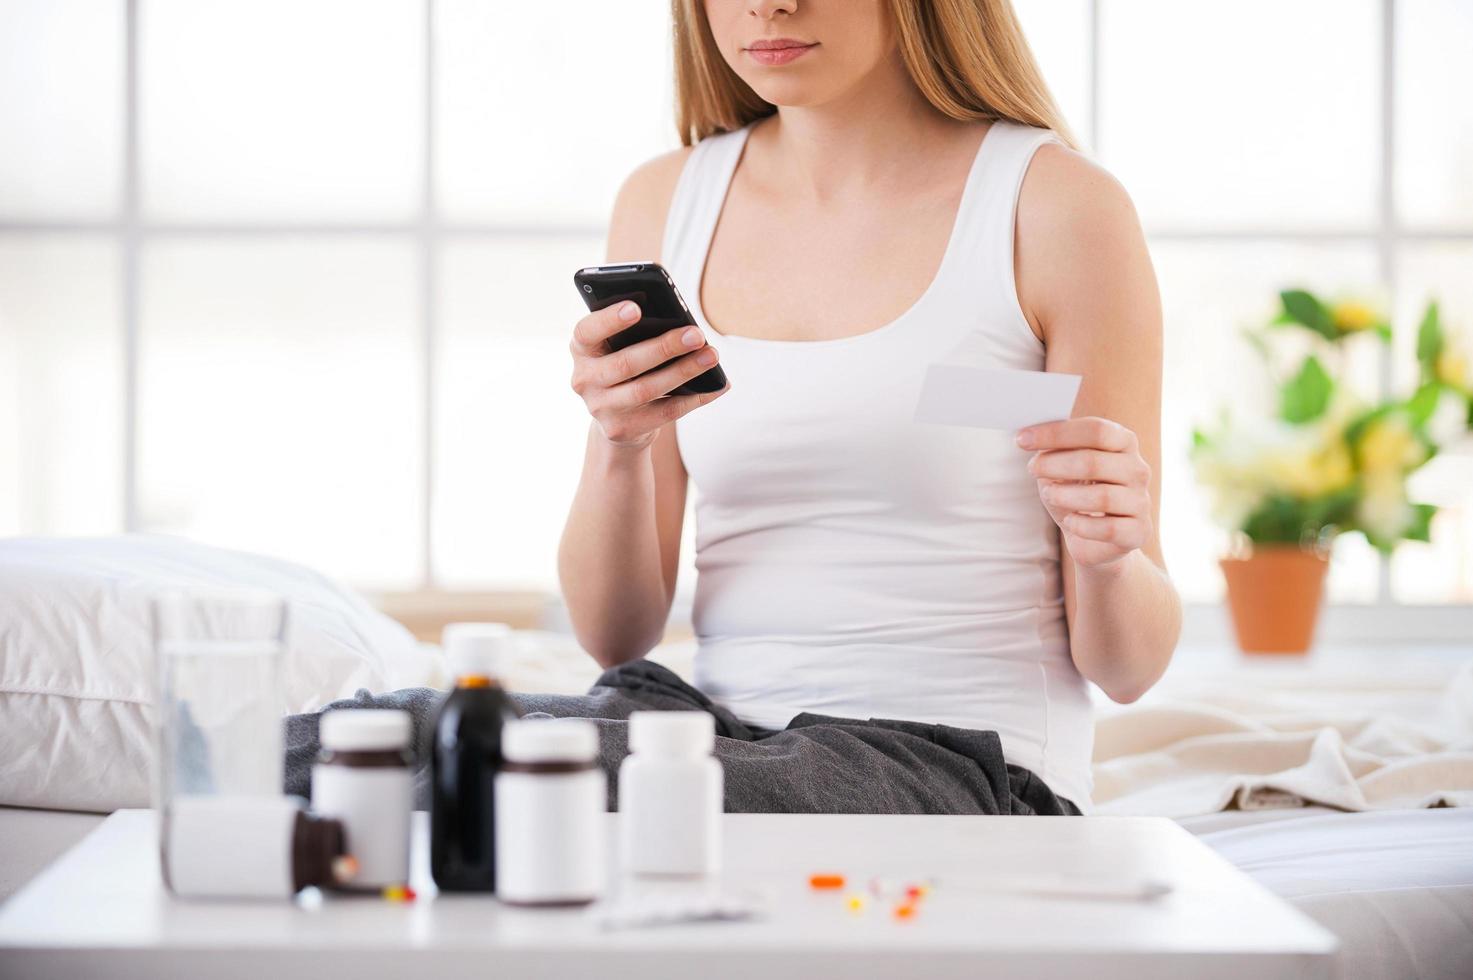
549, 740
318, 849
672, 733
364, 729
477, 649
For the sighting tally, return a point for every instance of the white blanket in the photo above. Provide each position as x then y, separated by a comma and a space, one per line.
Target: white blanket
1247, 748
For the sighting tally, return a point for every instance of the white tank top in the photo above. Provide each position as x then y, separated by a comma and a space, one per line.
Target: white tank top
851, 561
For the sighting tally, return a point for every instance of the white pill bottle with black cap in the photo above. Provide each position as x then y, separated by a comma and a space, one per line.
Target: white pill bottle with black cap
364, 779
670, 795
551, 796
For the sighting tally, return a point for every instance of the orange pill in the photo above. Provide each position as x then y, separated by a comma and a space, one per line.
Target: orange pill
826, 881
905, 910
344, 868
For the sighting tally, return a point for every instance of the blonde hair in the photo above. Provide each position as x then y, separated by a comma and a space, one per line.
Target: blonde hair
968, 58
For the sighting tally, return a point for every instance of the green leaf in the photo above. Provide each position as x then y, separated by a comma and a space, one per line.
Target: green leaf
1199, 439
1283, 519
1422, 404
1429, 337
1383, 330
1278, 520
1333, 509
1421, 529
1303, 308
1305, 396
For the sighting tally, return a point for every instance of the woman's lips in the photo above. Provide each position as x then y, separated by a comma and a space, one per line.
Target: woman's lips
779, 56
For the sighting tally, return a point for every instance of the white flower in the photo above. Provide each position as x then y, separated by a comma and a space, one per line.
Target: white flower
1449, 419
1383, 509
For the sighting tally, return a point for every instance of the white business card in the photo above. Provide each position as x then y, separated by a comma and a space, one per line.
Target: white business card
994, 398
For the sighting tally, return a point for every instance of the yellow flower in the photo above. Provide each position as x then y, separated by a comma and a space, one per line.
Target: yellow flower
1320, 471
1388, 446
1352, 316
1452, 367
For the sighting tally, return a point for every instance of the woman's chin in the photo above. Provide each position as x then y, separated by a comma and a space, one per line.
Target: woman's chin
792, 93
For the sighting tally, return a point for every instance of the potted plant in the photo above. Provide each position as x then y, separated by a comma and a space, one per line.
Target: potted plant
1328, 461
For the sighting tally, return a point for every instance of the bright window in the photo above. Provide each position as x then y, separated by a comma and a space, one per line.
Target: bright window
295, 277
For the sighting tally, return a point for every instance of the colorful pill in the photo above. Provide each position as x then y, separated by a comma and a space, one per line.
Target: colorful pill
855, 903
399, 893
826, 881
905, 910
344, 868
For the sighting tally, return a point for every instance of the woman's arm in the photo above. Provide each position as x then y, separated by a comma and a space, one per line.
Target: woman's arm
1086, 283
620, 547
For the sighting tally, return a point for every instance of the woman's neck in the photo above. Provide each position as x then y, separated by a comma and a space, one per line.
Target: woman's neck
862, 141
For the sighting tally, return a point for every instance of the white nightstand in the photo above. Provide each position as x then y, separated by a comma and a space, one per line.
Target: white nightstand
101, 911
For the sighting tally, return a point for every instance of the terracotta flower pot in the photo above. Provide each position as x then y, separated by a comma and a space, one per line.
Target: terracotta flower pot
1274, 595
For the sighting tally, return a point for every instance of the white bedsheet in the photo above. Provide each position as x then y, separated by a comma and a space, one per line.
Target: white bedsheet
1239, 742
1395, 886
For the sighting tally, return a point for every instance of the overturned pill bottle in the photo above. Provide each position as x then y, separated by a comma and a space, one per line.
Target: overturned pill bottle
364, 778
551, 797
251, 847
670, 795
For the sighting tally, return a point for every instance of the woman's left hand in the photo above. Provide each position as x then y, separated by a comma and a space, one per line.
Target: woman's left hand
1094, 483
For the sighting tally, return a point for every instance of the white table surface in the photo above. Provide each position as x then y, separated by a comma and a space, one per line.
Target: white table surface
101, 910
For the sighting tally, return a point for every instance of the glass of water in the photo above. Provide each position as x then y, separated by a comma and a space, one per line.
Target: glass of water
219, 707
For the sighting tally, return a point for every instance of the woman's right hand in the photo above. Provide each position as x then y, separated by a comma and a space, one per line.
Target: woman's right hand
629, 409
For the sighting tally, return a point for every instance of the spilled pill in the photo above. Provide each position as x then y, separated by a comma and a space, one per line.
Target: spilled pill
399, 893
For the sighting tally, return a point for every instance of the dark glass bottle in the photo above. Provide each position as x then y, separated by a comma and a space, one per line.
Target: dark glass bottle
465, 758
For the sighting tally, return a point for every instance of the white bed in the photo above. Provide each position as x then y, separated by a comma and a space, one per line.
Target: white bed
1395, 886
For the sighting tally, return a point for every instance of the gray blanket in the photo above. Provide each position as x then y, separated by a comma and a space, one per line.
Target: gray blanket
818, 764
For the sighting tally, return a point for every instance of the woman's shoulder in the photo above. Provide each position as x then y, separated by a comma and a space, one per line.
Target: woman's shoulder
637, 225
644, 199
1066, 193
1078, 240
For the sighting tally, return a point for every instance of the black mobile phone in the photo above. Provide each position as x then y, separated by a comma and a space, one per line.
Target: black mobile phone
660, 305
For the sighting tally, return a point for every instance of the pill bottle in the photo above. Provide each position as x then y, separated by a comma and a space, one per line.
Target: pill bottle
363, 778
551, 797
670, 795
465, 755
250, 847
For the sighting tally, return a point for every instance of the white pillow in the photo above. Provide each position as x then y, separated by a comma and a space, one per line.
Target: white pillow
76, 668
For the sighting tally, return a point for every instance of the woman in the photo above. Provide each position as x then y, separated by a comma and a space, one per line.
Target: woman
890, 616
